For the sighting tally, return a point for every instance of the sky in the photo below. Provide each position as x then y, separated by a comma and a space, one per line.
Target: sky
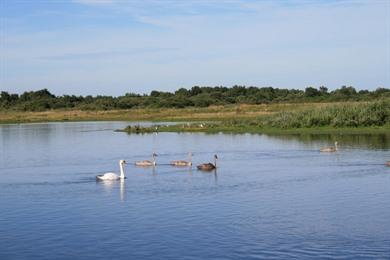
113, 47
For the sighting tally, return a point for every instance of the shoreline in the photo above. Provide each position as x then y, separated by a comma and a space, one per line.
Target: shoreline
214, 113
176, 128
286, 118
211, 113
181, 128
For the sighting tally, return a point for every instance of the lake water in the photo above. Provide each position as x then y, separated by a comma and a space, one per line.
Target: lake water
273, 197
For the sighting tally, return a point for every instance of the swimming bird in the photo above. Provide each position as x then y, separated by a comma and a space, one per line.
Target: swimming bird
147, 162
110, 176
208, 166
330, 149
388, 163
183, 162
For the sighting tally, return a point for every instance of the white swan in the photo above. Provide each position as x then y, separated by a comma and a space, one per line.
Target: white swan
110, 176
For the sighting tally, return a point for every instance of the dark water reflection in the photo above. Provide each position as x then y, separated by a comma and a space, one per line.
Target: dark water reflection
272, 197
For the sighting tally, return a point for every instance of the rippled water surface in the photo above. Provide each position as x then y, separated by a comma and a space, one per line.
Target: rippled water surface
273, 197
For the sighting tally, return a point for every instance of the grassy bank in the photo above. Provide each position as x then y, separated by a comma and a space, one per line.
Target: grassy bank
335, 118
364, 114
213, 113
221, 128
351, 117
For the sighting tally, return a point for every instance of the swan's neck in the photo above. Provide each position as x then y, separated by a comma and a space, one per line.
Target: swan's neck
215, 162
335, 146
122, 176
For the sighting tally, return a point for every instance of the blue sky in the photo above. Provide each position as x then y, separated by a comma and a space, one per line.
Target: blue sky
113, 47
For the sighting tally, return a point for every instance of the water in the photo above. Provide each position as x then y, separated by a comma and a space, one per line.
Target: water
273, 197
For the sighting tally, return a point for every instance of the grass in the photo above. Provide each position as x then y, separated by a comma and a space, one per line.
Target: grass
363, 114
221, 128
350, 117
364, 117
213, 113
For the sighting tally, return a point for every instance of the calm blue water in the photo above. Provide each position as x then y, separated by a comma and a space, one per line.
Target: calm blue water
273, 197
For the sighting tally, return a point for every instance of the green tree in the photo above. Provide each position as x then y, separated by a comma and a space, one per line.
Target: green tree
312, 92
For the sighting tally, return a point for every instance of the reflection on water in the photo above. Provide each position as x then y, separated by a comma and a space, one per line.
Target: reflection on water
368, 141
111, 186
122, 184
273, 196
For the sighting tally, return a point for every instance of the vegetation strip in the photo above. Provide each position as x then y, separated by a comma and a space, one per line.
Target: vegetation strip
232, 109
358, 117
43, 100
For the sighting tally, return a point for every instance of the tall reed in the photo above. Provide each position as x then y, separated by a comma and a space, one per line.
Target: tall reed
363, 114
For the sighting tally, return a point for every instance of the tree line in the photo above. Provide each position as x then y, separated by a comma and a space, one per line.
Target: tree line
196, 96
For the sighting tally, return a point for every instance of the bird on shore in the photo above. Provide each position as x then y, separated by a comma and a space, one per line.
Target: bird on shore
208, 166
183, 162
110, 176
330, 149
147, 162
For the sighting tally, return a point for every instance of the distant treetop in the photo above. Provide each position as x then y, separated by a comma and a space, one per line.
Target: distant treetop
197, 96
